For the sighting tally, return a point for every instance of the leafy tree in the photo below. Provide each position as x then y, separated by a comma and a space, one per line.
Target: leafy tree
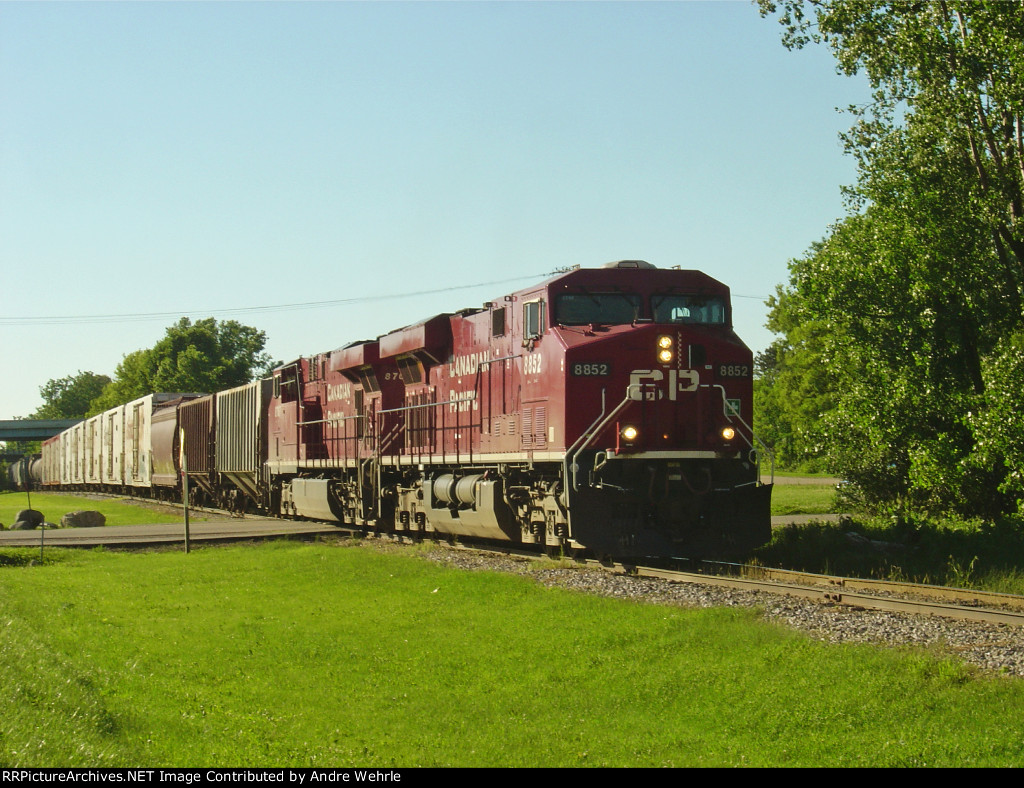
69, 397
204, 356
63, 398
999, 447
915, 299
948, 78
791, 388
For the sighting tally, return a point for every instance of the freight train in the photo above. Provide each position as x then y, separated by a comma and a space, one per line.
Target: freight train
604, 409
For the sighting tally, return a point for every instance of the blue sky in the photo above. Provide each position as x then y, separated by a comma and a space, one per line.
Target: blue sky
178, 159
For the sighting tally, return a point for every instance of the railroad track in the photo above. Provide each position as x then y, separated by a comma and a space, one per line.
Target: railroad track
916, 599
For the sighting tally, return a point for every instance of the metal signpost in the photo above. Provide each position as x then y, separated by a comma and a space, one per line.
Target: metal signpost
184, 487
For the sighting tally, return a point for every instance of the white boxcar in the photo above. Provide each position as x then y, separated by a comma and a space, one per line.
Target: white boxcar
112, 452
51, 461
64, 454
91, 459
76, 454
137, 415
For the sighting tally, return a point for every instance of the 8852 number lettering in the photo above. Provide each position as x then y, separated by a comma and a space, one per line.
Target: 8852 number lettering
590, 369
734, 370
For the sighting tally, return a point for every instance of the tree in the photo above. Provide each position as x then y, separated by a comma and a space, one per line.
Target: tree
947, 77
63, 398
69, 397
792, 389
917, 294
200, 357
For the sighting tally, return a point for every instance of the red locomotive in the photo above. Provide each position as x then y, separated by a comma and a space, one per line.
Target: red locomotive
604, 409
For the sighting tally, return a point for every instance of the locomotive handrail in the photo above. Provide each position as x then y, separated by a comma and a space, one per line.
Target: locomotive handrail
571, 449
403, 427
331, 420
430, 404
383, 443
592, 432
333, 439
502, 358
726, 410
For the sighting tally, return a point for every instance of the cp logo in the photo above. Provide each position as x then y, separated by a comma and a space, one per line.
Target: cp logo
646, 384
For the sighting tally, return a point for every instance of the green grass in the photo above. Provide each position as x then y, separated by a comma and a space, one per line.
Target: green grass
118, 511
803, 499
322, 655
803, 475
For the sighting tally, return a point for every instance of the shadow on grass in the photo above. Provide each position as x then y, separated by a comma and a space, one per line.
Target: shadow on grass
979, 555
29, 556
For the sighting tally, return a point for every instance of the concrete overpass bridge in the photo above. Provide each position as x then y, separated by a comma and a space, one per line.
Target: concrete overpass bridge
31, 430
34, 429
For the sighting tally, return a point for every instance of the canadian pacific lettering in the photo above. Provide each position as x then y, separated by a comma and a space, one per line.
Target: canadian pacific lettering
468, 364
339, 392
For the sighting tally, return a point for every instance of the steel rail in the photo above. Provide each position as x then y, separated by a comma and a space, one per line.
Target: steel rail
966, 596
837, 595
825, 589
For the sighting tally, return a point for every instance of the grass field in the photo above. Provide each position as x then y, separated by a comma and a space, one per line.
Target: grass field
118, 511
324, 655
803, 499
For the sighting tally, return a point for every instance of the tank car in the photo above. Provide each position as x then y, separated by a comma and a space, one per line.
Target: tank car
25, 473
603, 409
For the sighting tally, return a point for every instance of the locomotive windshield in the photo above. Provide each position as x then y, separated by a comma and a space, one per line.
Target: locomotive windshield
688, 309
580, 309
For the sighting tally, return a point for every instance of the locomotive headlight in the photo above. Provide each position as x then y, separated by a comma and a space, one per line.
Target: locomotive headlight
728, 433
665, 353
629, 433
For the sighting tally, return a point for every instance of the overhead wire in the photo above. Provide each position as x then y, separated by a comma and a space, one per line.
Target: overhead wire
135, 317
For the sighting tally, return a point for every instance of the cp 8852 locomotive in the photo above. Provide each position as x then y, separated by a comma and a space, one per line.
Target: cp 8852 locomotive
604, 409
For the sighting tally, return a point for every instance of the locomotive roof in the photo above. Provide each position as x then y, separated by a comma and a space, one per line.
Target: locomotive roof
636, 274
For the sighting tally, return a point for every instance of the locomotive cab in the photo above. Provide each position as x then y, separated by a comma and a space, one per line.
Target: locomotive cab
658, 394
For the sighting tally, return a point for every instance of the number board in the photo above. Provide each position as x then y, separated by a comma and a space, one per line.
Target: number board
589, 369
733, 370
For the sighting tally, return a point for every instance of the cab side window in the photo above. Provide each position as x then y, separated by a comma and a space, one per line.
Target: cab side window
533, 319
498, 322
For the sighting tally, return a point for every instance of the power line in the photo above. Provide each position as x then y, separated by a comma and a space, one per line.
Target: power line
137, 317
